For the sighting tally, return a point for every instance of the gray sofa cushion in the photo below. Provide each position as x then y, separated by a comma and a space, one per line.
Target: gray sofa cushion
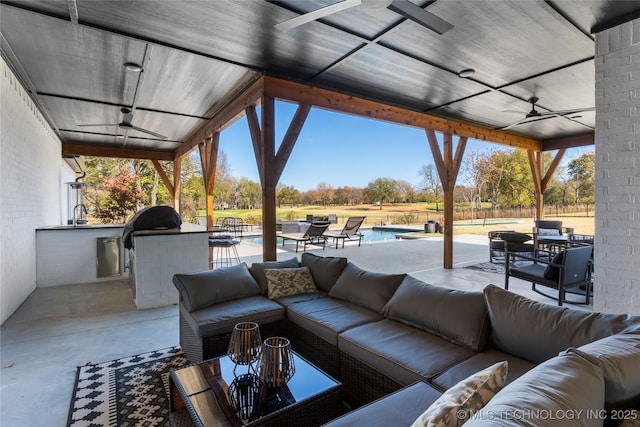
199, 290
287, 301
371, 290
257, 270
222, 317
552, 394
619, 358
402, 353
325, 270
400, 408
437, 310
327, 317
537, 332
464, 369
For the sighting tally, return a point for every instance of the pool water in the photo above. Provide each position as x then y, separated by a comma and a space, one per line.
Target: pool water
370, 235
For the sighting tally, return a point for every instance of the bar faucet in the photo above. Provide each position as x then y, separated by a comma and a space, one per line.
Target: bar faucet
77, 219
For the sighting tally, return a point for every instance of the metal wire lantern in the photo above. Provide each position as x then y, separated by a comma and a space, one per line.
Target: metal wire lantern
276, 365
245, 343
244, 396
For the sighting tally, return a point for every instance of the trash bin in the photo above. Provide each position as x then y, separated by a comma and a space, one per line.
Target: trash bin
430, 227
108, 257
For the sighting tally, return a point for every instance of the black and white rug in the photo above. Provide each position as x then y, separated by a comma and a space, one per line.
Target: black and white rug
132, 391
495, 267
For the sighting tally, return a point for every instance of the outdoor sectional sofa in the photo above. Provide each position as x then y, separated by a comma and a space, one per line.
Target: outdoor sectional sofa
397, 343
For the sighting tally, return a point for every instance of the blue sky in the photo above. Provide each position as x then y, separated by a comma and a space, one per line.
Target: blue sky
341, 150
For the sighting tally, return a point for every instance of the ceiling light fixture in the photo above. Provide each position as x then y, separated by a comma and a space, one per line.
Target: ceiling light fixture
466, 73
132, 66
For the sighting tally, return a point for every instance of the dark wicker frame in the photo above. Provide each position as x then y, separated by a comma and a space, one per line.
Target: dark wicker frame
198, 348
362, 383
318, 351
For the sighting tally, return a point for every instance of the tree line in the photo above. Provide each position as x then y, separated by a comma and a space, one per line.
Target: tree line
120, 187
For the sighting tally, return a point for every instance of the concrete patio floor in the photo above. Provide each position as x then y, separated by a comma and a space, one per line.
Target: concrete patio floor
59, 328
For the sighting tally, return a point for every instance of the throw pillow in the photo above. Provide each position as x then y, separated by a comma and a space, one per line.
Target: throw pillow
285, 282
551, 272
199, 290
460, 402
325, 270
548, 232
364, 288
257, 270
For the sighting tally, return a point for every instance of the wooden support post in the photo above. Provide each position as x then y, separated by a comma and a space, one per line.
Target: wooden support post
541, 182
209, 161
173, 190
177, 183
448, 167
270, 180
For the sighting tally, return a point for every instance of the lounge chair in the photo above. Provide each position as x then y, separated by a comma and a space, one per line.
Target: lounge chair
350, 231
314, 234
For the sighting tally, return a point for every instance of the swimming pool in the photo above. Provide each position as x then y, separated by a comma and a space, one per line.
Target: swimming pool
370, 235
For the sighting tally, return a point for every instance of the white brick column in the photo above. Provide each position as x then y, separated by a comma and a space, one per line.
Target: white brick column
617, 137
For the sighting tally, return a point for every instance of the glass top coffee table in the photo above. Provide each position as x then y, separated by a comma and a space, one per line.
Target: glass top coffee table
212, 394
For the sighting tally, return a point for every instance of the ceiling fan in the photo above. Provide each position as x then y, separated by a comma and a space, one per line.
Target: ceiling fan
127, 117
535, 115
402, 7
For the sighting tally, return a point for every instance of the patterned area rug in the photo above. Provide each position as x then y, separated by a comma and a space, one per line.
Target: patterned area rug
132, 391
495, 267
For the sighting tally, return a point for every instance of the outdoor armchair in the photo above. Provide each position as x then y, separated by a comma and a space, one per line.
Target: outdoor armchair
569, 268
350, 231
314, 234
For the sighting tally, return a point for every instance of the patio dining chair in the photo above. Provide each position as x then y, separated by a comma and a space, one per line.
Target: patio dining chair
567, 269
350, 231
313, 234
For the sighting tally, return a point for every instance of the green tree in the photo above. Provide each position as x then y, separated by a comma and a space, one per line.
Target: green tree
380, 190
288, 195
431, 182
581, 171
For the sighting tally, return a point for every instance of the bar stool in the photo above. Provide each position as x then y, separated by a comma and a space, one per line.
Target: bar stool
223, 251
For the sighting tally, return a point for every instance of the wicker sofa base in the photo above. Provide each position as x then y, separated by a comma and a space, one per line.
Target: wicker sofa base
362, 383
315, 349
198, 348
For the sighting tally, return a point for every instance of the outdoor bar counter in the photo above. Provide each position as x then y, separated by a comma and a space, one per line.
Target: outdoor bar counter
69, 255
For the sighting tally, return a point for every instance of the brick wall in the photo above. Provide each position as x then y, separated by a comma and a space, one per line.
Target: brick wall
31, 193
617, 250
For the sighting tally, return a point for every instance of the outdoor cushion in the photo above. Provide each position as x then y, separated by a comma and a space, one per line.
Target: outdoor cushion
548, 232
399, 408
288, 300
257, 270
537, 332
464, 399
462, 370
402, 353
436, 309
619, 358
327, 317
209, 287
551, 272
371, 290
283, 282
552, 394
325, 270
221, 318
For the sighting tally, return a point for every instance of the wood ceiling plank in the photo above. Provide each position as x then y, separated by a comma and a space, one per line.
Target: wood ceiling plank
123, 153
326, 99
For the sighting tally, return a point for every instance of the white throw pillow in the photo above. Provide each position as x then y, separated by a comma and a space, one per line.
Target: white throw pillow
548, 232
460, 402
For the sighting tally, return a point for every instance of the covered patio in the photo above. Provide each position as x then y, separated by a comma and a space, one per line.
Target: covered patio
59, 328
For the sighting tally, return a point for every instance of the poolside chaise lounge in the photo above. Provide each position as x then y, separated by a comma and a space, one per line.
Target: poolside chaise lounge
313, 234
350, 231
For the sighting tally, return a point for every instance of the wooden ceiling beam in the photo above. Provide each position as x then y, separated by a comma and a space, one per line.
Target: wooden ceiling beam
568, 142
123, 153
225, 117
334, 101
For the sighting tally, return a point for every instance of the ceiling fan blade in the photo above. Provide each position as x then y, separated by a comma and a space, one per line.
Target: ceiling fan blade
565, 112
421, 16
157, 135
317, 14
97, 124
